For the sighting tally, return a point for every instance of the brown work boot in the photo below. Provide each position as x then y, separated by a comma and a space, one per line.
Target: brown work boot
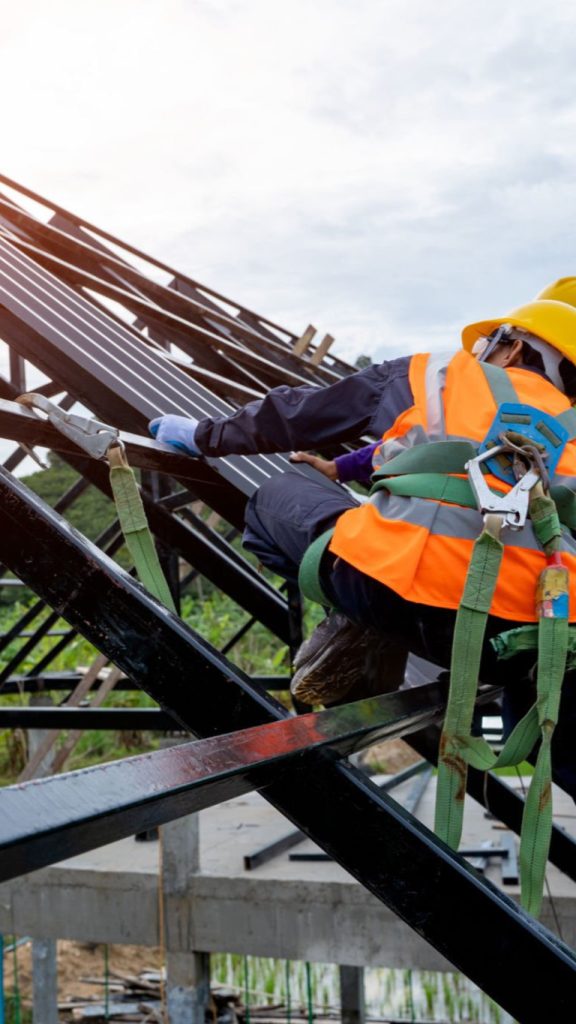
331, 662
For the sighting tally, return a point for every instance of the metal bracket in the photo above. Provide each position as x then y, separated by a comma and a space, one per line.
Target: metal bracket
90, 435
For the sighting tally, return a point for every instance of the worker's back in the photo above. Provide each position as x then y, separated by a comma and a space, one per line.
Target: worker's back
421, 547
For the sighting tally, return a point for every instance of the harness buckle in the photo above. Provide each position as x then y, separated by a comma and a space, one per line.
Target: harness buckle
92, 436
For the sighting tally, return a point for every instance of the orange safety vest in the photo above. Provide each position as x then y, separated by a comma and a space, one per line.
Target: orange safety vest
421, 547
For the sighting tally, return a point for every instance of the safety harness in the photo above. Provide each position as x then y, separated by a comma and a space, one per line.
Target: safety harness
522, 449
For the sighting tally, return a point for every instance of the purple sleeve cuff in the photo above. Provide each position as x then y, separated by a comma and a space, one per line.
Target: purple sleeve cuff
356, 465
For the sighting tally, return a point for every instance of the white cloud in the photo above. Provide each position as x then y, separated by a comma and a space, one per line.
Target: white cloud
388, 170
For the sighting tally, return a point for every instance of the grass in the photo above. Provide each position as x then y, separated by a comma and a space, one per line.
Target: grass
403, 994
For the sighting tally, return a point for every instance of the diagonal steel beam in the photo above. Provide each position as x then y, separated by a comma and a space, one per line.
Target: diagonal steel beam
394, 856
84, 809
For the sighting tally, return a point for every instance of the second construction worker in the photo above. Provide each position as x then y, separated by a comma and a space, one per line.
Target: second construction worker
394, 567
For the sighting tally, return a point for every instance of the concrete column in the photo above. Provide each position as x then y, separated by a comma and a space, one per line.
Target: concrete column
180, 853
352, 1004
187, 973
44, 981
187, 987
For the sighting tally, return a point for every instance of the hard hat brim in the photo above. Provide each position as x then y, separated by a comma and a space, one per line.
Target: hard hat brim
547, 319
472, 332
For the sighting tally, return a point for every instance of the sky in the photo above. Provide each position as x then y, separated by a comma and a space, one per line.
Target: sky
388, 170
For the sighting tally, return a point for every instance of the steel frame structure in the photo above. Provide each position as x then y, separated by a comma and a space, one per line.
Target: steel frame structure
76, 306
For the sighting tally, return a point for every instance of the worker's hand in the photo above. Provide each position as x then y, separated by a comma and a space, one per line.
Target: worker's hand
177, 431
325, 466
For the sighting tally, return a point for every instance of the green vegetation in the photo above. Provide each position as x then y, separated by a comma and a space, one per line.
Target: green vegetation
90, 514
214, 617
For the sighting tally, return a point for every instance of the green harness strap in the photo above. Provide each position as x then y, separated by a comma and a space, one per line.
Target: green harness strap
429, 457
499, 383
135, 527
458, 748
309, 571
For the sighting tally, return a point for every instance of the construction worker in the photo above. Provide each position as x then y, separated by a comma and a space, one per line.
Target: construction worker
395, 566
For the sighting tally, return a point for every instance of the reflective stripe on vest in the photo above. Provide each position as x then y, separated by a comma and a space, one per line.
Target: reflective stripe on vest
453, 521
420, 547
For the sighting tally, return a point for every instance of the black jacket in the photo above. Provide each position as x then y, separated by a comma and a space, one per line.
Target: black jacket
288, 419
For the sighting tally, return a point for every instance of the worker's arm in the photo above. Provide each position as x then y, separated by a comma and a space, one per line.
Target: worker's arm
355, 465
289, 419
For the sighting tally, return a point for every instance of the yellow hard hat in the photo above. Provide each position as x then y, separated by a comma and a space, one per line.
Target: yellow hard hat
563, 290
548, 319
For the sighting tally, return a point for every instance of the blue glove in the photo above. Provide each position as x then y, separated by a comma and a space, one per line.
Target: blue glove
178, 431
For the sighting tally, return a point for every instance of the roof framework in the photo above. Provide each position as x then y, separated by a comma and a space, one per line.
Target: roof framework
128, 338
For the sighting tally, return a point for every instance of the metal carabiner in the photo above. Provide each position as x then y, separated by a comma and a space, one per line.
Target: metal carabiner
512, 506
92, 436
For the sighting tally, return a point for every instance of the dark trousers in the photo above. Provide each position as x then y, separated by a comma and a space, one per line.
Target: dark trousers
283, 518
289, 511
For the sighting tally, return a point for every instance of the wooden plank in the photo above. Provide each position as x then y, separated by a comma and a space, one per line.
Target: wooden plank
303, 343
321, 350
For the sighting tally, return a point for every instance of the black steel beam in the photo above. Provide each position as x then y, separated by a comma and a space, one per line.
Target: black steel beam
394, 856
81, 264
270, 851
96, 806
86, 718
47, 682
128, 391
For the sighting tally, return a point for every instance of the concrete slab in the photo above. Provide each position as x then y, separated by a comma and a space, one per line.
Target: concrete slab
294, 910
